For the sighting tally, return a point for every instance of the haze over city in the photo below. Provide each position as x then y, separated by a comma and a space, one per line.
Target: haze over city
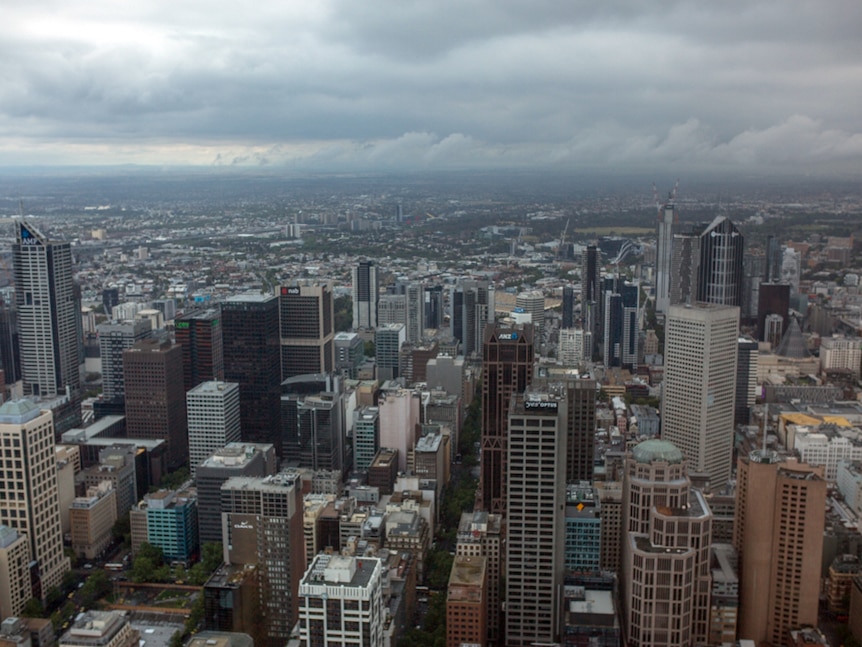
760, 86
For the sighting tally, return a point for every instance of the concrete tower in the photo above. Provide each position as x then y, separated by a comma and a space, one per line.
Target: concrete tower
29, 497
700, 384
535, 517
213, 419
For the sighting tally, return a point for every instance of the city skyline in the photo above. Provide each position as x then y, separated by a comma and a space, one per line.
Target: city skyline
441, 86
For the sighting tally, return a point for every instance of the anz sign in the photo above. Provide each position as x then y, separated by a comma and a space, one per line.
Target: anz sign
508, 336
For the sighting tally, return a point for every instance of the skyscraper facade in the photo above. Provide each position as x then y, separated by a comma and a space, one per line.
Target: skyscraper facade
213, 419
746, 379
685, 259
666, 550
262, 526
535, 517
720, 272
433, 306
591, 272
115, 337
778, 535
312, 422
699, 386
472, 303
155, 397
29, 496
533, 302
199, 333
48, 313
365, 295
342, 602
252, 359
306, 319
668, 218
507, 369
773, 299
568, 306
387, 343
235, 459
415, 320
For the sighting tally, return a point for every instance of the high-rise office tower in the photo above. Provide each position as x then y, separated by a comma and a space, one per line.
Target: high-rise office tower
213, 419
365, 295
312, 422
778, 534
666, 573
685, 259
391, 309
29, 496
341, 602
200, 335
668, 219
114, 338
235, 459
10, 358
387, 344
155, 397
568, 306
307, 329
620, 310
533, 302
591, 274
262, 526
580, 393
434, 306
535, 517
746, 380
252, 359
773, 299
574, 346
753, 270
507, 369
700, 384
366, 437
472, 304
720, 273
415, 321
49, 313
773, 260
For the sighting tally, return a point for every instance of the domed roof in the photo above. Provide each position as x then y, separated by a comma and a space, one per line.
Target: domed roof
657, 450
17, 407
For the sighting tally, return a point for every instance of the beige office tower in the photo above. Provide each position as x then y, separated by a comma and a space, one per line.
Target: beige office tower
666, 550
699, 388
14, 572
29, 499
780, 509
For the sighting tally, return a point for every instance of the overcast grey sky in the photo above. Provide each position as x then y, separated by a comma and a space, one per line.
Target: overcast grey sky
411, 84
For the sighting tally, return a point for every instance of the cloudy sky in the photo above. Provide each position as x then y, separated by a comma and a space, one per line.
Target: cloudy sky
437, 84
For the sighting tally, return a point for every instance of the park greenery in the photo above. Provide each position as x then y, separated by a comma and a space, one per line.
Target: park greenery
459, 497
149, 566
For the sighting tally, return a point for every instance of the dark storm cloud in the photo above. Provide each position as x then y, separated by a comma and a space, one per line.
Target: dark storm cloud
390, 84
